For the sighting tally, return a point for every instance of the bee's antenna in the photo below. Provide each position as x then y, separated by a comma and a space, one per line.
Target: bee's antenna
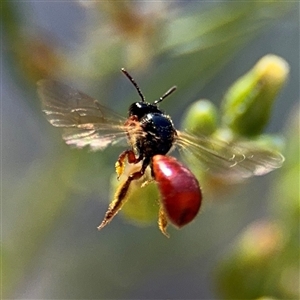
135, 84
166, 94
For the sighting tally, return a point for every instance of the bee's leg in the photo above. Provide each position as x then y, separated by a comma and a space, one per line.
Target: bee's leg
146, 182
120, 163
162, 217
163, 221
120, 195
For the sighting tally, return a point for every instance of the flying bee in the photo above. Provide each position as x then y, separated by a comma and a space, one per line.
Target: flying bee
151, 135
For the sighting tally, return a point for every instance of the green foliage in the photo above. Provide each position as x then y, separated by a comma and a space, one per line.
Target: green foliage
264, 260
246, 107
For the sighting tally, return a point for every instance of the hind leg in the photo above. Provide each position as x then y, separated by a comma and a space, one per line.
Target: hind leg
121, 194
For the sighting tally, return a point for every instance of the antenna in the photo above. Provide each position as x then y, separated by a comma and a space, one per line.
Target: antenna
166, 94
135, 84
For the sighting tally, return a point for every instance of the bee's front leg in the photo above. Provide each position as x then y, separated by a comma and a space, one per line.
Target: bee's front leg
120, 163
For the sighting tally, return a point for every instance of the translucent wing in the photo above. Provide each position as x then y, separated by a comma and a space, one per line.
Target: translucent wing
233, 161
84, 120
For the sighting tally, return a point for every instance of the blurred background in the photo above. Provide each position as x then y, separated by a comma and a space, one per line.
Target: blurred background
245, 242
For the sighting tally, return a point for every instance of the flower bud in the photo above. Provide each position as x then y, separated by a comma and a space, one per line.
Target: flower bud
248, 102
201, 118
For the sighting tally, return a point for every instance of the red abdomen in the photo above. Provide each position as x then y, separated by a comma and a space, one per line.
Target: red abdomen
180, 191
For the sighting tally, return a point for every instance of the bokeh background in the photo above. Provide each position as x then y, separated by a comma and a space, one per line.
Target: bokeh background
244, 244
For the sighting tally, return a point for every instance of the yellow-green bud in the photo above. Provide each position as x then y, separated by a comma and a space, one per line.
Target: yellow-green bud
201, 118
248, 102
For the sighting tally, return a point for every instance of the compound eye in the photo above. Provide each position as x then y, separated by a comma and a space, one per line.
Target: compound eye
137, 109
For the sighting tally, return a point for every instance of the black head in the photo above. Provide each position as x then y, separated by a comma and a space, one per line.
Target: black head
142, 108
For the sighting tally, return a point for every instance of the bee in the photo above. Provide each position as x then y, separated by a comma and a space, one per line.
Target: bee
151, 135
